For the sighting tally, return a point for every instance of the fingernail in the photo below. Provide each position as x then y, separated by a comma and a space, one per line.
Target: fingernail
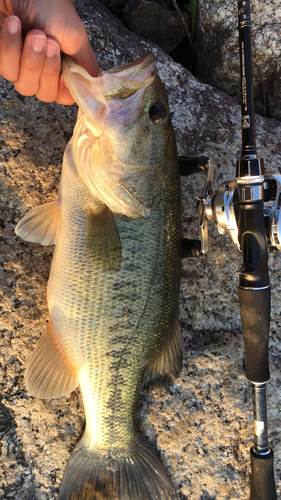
38, 43
52, 49
13, 25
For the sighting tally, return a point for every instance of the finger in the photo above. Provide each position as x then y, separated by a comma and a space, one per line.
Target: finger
32, 63
64, 96
2, 18
6, 7
86, 58
75, 43
49, 80
10, 48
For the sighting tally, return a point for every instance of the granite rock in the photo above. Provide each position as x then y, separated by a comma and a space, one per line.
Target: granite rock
201, 424
217, 49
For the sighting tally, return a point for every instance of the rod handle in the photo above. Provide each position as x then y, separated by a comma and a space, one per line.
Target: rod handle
262, 477
255, 319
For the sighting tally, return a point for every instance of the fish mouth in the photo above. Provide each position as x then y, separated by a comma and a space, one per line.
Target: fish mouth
124, 81
136, 74
133, 68
142, 62
116, 95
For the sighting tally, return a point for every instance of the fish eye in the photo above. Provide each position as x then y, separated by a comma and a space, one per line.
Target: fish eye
157, 112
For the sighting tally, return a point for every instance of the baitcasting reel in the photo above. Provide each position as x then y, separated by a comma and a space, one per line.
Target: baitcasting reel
219, 207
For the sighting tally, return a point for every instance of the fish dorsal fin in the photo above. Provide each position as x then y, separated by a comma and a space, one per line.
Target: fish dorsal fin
169, 361
49, 373
40, 225
102, 239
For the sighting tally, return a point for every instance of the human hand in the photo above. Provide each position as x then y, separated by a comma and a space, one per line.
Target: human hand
34, 64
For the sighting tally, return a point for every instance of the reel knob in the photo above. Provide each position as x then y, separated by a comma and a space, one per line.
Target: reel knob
204, 207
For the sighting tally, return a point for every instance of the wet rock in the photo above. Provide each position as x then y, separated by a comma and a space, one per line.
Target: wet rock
218, 51
156, 23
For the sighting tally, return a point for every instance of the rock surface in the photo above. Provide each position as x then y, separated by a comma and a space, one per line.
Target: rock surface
201, 425
217, 49
156, 23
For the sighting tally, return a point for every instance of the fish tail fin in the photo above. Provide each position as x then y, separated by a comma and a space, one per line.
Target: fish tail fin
139, 475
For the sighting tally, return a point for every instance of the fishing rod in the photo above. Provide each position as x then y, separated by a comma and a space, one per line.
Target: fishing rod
237, 208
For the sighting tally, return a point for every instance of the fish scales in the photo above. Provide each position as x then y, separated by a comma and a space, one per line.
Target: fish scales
114, 281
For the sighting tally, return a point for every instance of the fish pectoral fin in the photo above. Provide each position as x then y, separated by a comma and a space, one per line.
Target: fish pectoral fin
102, 239
169, 360
40, 225
49, 373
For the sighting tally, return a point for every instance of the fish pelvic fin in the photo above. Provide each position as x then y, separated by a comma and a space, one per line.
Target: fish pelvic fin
139, 475
169, 360
102, 239
49, 373
40, 225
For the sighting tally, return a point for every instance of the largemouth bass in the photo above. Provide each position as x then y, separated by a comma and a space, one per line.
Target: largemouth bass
114, 281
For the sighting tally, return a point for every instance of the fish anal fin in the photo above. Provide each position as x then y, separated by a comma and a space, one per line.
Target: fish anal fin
49, 373
102, 239
40, 225
168, 363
